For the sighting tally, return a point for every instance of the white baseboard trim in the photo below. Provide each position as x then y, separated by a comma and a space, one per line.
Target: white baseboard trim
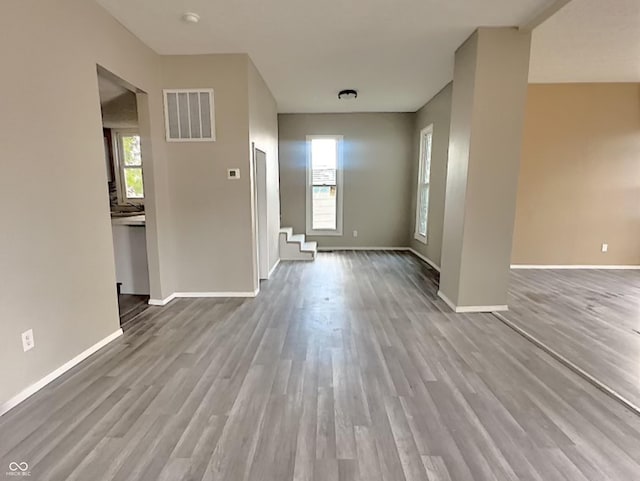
218, 294
34, 388
273, 269
162, 302
581, 266
175, 295
463, 309
425, 258
324, 249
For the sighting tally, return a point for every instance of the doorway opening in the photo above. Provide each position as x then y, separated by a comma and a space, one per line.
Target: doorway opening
260, 176
124, 160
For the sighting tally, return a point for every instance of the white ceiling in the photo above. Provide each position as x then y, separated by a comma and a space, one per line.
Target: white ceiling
588, 41
396, 53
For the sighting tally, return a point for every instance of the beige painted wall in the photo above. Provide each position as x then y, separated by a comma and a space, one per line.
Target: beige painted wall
378, 158
579, 182
263, 132
437, 112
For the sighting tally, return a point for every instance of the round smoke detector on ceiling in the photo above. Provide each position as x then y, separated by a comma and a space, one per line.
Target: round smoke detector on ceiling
191, 17
348, 94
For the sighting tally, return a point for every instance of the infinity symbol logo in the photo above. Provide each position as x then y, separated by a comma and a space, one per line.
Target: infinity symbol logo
13, 466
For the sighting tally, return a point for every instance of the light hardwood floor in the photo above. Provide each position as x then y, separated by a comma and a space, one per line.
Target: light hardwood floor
346, 368
591, 317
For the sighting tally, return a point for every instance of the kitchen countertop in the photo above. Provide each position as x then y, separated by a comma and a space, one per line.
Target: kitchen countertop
138, 220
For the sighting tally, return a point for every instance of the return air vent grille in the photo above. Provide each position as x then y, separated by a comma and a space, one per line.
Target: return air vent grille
189, 115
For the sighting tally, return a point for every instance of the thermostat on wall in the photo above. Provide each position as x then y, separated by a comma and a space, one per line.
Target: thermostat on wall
233, 174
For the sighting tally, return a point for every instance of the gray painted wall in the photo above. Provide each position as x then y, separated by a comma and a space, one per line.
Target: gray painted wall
378, 159
458, 164
489, 94
437, 112
211, 214
56, 250
121, 112
263, 132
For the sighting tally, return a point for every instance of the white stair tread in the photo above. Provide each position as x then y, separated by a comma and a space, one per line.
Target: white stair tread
299, 238
294, 247
311, 246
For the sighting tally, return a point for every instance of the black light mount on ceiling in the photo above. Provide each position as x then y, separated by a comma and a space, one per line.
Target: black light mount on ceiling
348, 94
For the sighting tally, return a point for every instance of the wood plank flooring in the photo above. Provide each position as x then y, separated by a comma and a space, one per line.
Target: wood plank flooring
591, 317
343, 369
129, 306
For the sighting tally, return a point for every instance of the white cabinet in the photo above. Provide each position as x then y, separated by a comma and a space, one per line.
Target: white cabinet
130, 251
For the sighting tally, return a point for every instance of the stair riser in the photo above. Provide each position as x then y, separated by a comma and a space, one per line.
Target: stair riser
292, 251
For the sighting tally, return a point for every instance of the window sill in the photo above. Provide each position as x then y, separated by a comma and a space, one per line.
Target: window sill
420, 238
321, 233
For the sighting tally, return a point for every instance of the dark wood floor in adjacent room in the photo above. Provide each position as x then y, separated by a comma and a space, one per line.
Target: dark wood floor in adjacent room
589, 316
346, 368
130, 306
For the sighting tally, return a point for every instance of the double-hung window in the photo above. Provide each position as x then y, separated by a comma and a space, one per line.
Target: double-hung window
129, 167
324, 184
424, 172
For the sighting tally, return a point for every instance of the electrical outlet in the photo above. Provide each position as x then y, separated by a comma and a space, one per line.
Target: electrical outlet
605, 247
28, 342
355, 233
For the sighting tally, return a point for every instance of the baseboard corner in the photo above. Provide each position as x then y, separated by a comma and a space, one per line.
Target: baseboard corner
471, 309
162, 302
424, 258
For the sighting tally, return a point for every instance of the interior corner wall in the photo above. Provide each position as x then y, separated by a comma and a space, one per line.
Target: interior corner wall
211, 214
579, 184
436, 112
263, 133
378, 158
56, 247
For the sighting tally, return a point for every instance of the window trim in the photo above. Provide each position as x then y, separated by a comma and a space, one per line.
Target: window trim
339, 186
119, 166
421, 166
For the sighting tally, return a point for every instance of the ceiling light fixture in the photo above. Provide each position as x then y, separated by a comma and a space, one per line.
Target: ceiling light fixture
348, 94
191, 17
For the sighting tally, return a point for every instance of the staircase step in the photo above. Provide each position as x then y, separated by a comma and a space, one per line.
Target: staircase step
311, 246
287, 230
294, 247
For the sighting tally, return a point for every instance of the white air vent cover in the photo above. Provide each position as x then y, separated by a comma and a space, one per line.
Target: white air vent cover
188, 115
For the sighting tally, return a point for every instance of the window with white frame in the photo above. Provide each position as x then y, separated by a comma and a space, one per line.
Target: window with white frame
424, 172
128, 166
324, 184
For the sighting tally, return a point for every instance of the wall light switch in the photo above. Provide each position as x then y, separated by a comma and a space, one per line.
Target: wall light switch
605, 247
233, 174
355, 233
27, 340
